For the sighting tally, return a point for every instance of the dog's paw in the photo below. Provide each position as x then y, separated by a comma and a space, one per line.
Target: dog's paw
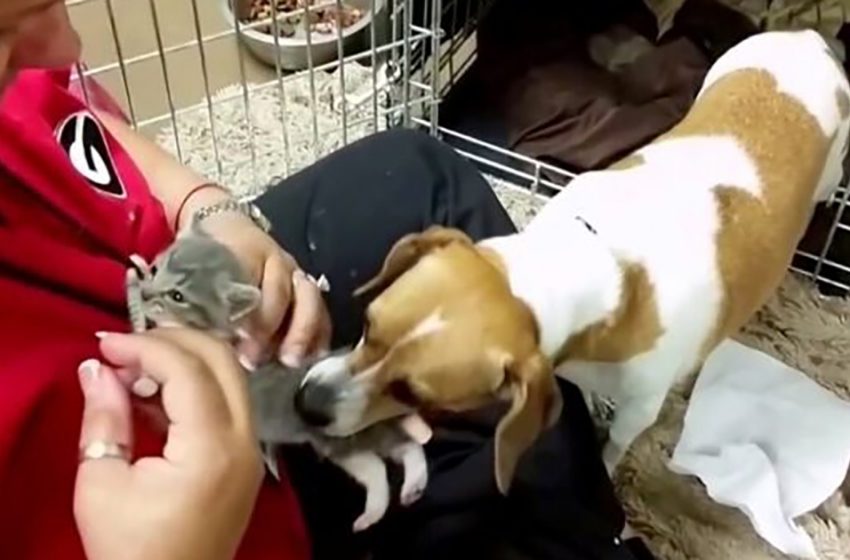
602, 410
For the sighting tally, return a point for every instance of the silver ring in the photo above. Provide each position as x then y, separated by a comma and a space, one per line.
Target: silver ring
100, 449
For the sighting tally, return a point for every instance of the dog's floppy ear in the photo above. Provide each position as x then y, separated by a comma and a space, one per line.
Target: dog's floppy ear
536, 406
408, 250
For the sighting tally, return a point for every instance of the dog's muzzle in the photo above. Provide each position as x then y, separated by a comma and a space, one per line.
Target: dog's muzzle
314, 402
320, 400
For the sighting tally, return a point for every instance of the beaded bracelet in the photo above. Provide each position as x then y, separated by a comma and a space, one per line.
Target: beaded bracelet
190, 194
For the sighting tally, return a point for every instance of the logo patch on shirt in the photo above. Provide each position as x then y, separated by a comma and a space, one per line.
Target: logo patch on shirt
83, 139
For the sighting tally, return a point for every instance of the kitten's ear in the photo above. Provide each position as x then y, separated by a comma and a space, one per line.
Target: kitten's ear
193, 228
241, 299
197, 228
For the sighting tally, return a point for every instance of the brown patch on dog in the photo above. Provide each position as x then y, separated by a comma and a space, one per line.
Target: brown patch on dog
447, 369
743, 295
407, 251
631, 330
495, 259
481, 346
843, 101
758, 234
628, 162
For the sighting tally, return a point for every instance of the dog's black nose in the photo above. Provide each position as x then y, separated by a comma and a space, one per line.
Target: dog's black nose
314, 403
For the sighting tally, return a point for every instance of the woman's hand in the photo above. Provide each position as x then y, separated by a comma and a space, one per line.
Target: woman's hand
292, 319
195, 501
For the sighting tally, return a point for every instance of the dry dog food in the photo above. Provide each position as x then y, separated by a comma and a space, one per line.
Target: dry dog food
322, 20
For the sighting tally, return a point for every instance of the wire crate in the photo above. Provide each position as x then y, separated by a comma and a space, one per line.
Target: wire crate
181, 71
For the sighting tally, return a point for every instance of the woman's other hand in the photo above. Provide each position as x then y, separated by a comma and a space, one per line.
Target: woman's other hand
195, 501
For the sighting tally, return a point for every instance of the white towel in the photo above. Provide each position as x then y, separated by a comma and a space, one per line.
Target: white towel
765, 439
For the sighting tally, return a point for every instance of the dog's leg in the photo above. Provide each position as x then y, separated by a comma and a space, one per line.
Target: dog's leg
599, 383
411, 456
633, 416
687, 382
636, 408
596, 380
368, 469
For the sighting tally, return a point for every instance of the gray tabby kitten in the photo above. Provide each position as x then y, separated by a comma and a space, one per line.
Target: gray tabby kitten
198, 282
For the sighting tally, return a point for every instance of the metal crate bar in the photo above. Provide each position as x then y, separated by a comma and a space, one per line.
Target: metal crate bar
411, 71
225, 99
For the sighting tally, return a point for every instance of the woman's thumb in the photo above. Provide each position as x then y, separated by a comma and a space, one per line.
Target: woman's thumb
105, 436
107, 420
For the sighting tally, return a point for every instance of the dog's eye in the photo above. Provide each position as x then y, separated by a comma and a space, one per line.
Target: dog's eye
176, 296
401, 391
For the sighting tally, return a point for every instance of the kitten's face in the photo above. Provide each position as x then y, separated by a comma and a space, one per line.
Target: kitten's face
198, 283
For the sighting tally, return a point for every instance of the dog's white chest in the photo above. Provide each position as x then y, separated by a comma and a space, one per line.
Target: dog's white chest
542, 270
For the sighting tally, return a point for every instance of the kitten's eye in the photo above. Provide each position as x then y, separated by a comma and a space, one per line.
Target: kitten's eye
153, 270
177, 296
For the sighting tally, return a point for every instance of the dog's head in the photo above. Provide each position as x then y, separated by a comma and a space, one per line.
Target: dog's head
444, 333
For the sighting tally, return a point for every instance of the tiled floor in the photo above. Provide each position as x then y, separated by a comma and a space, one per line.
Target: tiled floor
136, 32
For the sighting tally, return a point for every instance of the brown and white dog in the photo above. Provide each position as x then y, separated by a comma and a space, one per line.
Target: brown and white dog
625, 281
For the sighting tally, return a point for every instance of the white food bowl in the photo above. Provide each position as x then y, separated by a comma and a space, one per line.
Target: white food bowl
293, 50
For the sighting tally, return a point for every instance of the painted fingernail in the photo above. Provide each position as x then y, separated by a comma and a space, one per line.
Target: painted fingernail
145, 387
322, 283
245, 362
102, 334
243, 334
89, 372
291, 359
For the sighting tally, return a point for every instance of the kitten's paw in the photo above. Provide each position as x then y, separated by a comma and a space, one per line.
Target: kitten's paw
410, 496
369, 470
140, 264
415, 481
368, 518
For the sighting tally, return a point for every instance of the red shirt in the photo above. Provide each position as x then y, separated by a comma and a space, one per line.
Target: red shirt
73, 207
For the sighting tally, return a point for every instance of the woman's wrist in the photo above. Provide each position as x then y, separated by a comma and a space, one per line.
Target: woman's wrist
200, 196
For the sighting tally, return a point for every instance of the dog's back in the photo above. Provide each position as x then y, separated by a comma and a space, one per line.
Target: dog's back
709, 215
803, 67
713, 209
785, 99
627, 278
